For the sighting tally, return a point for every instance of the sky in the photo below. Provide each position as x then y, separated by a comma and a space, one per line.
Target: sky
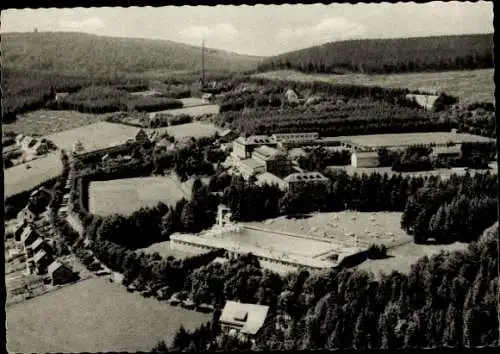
263, 29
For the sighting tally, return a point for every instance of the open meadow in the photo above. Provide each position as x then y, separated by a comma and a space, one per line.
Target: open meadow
94, 136
124, 196
19, 178
45, 122
195, 130
194, 110
94, 316
468, 85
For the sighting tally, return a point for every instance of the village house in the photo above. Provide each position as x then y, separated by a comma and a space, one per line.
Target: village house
297, 181
28, 236
26, 214
18, 229
242, 320
42, 260
364, 159
39, 245
243, 147
60, 273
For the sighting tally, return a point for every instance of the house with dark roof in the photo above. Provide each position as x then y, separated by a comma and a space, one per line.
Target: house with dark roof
28, 236
18, 229
42, 260
242, 319
60, 273
26, 214
297, 181
364, 159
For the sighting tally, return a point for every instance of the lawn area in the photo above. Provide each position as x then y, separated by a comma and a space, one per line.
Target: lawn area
195, 129
94, 136
402, 257
468, 85
127, 195
45, 122
165, 250
369, 227
94, 316
193, 111
18, 178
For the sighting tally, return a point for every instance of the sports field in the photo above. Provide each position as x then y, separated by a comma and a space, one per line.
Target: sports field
124, 196
94, 136
468, 85
43, 122
94, 316
20, 178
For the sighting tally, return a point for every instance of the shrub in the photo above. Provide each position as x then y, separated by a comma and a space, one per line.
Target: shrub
377, 251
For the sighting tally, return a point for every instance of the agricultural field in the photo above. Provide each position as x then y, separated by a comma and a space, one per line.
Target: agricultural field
94, 316
468, 86
20, 178
192, 101
124, 196
407, 139
45, 122
193, 111
94, 136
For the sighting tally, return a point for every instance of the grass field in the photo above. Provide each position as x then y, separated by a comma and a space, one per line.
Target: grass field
127, 195
165, 250
45, 122
469, 86
195, 129
18, 178
94, 136
94, 316
194, 110
406, 139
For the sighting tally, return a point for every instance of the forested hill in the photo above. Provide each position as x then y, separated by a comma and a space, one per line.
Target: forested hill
400, 55
80, 53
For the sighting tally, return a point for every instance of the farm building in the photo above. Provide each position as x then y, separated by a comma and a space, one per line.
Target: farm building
295, 138
425, 101
276, 161
364, 159
297, 181
60, 273
242, 319
243, 147
42, 260
28, 236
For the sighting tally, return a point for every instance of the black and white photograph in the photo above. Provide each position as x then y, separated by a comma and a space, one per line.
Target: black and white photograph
250, 178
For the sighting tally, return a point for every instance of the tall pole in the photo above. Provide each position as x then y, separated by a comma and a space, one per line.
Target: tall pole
203, 63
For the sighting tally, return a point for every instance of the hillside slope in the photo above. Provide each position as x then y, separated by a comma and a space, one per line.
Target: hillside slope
399, 55
80, 53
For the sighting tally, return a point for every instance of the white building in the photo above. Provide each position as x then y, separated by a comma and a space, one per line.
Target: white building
242, 319
364, 159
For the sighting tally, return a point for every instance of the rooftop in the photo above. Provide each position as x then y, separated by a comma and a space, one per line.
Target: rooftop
250, 317
55, 266
251, 163
305, 177
267, 151
39, 255
257, 139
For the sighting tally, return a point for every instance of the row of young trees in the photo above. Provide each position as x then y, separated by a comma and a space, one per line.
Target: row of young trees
477, 118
